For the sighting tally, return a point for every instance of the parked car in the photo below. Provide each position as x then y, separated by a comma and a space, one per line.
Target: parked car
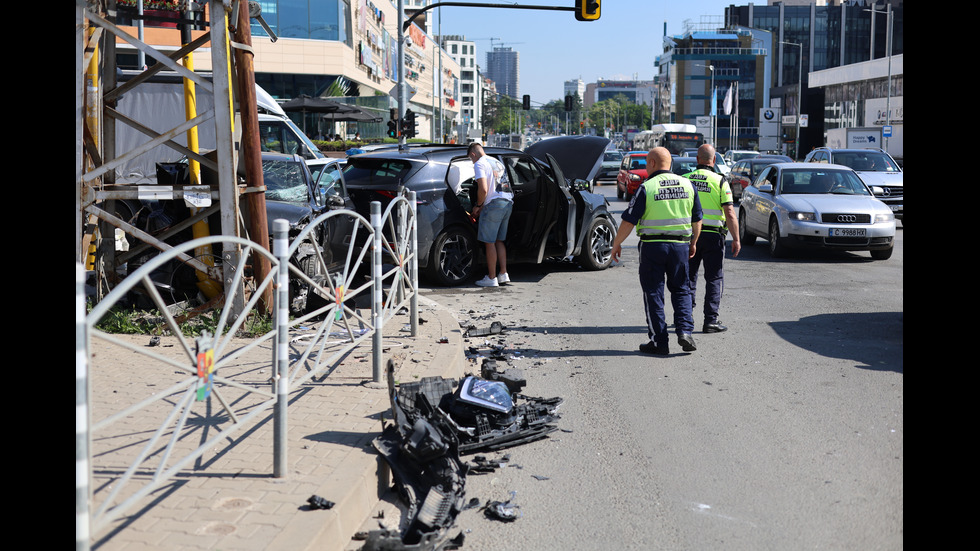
611, 160
683, 165
745, 172
875, 166
732, 156
554, 213
632, 173
317, 166
775, 157
807, 205
721, 166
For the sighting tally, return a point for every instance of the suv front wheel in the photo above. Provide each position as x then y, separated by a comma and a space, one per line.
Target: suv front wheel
597, 249
453, 257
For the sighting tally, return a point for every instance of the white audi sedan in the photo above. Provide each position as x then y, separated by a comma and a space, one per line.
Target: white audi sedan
811, 205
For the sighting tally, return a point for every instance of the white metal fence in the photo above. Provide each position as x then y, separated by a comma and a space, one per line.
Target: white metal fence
203, 389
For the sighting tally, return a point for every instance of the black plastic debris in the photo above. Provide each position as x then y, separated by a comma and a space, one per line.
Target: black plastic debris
317, 502
512, 377
481, 464
422, 451
506, 511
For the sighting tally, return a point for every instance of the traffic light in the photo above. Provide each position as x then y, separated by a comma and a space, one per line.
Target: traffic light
569, 103
392, 129
526, 103
408, 124
587, 10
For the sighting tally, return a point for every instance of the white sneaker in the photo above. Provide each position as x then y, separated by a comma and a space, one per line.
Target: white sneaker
487, 282
503, 278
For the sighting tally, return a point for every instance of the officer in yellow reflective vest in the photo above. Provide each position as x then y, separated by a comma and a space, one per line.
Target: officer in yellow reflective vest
666, 212
719, 214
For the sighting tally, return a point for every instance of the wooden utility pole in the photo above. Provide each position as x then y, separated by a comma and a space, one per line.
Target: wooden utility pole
250, 148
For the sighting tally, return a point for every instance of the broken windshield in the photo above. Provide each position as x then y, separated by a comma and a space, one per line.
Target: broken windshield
285, 181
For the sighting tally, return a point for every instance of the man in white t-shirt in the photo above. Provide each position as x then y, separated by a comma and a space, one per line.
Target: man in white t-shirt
495, 202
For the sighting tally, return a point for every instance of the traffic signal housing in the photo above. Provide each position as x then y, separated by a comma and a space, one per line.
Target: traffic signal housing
526, 103
409, 124
569, 103
392, 129
587, 10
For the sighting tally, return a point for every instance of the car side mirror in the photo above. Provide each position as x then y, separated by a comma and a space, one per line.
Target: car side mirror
765, 188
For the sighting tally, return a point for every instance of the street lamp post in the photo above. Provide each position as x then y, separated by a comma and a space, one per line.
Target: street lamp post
799, 94
711, 102
888, 100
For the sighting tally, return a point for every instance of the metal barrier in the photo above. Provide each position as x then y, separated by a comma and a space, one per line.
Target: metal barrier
245, 376
166, 383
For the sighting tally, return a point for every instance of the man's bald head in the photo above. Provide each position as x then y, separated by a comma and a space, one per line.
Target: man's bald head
706, 154
658, 159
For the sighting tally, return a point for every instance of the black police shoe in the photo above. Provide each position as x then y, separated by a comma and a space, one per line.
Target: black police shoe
687, 342
714, 327
651, 348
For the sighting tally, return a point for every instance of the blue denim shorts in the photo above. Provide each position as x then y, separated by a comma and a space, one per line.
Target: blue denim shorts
494, 217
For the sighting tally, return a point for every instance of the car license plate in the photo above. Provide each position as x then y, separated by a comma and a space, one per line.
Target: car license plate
848, 232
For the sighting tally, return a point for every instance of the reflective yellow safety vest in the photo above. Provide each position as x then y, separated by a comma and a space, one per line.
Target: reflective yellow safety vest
667, 217
713, 191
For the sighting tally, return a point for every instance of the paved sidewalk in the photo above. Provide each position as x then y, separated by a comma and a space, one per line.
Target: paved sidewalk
229, 500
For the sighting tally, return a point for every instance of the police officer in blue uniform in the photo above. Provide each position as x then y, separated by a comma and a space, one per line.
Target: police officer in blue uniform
666, 212
719, 214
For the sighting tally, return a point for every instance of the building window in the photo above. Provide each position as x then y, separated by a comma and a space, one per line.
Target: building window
322, 20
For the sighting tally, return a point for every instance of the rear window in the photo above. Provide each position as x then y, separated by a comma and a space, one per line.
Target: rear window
866, 161
376, 172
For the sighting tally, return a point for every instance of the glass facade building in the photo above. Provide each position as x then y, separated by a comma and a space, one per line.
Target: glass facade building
309, 19
830, 35
807, 37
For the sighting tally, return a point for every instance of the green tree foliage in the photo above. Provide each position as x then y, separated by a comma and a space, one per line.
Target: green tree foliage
617, 113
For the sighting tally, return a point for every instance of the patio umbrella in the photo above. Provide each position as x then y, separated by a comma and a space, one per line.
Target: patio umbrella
307, 104
352, 113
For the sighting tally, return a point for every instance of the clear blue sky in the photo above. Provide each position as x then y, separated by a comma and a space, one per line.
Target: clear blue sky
555, 47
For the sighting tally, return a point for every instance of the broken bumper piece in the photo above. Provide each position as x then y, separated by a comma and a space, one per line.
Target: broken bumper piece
434, 424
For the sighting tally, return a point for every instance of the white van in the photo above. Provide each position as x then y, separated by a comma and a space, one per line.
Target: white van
159, 105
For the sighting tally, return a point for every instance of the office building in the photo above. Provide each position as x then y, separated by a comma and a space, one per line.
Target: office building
347, 45
504, 68
769, 50
817, 36
470, 108
700, 61
573, 87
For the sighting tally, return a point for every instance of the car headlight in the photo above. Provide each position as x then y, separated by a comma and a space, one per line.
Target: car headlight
802, 216
885, 217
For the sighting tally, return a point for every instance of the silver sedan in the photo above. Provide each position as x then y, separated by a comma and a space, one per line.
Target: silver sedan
801, 205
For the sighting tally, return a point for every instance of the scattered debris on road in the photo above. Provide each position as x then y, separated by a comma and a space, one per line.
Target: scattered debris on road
437, 420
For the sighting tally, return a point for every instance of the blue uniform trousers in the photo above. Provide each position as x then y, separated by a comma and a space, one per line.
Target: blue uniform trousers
668, 262
711, 252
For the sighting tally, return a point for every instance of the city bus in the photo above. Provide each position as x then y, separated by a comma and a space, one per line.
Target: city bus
675, 137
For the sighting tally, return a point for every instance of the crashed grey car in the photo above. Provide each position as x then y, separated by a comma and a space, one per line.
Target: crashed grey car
554, 216
291, 194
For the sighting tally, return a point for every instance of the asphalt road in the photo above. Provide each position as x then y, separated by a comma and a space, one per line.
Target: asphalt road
786, 432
